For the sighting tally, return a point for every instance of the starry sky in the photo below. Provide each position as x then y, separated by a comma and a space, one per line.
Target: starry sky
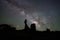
44, 13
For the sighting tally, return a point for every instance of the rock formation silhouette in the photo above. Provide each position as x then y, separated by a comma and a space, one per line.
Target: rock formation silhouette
33, 27
26, 26
48, 30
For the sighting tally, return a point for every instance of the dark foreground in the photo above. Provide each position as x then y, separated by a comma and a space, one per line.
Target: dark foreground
24, 35
10, 33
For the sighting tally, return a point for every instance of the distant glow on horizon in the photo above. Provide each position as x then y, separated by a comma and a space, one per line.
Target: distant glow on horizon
35, 22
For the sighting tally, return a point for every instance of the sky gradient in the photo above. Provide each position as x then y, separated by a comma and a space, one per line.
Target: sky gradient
44, 13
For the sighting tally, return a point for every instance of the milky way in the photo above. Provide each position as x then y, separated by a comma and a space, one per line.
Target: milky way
44, 13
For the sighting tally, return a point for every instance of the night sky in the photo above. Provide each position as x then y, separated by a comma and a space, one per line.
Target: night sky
44, 13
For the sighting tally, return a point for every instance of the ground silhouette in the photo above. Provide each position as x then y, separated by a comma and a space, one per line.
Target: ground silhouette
26, 33
6, 27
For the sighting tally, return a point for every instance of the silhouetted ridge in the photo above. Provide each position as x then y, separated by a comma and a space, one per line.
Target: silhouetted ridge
6, 27
26, 29
27, 32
